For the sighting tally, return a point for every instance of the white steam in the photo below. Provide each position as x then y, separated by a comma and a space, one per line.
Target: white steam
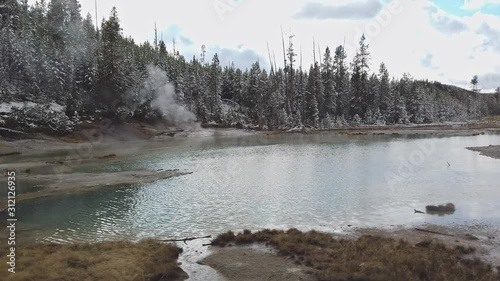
165, 99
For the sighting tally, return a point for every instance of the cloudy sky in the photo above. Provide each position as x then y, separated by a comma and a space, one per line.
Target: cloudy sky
443, 40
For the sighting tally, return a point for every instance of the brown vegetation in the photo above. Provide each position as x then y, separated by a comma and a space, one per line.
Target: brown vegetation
108, 156
10, 153
449, 208
106, 261
370, 258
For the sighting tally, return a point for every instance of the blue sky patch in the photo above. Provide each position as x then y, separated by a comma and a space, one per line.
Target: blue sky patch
454, 7
491, 9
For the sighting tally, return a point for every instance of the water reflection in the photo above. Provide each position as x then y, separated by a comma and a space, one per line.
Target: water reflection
306, 181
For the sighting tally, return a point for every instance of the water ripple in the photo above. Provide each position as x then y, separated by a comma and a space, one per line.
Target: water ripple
322, 182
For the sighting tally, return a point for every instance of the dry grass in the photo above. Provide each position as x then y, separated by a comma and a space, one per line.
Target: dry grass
10, 153
492, 118
371, 258
73, 139
108, 156
449, 208
107, 261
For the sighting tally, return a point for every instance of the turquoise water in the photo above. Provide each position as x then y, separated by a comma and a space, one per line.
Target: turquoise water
323, 181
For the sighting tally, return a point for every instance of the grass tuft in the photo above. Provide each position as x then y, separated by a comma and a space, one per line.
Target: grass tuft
370, 258
223, 239
448, 208
107, 261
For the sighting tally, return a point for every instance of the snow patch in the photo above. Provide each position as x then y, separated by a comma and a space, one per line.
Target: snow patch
6, 107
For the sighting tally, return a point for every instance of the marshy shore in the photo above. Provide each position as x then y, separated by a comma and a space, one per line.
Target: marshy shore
104, 261
65, 183
492, 151
366, 254
51, 166
438, 253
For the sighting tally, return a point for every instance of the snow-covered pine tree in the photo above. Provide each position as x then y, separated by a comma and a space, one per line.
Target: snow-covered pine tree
290, 73
253, 94
474, 84
327, 75
373, 93
392, 112
49, 53
214, 90
319, 92
415, 105
385, 98
497, 99
111, 59
359, 79
341, 78
311, 111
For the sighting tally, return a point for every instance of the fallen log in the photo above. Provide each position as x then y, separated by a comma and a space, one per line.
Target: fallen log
106, 156
433, 232
10, 153
185, 239
6, 132
170, 133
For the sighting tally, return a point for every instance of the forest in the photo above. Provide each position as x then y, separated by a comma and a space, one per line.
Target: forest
60, 70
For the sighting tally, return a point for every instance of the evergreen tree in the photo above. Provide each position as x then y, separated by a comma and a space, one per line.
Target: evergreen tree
162, 50
341, 78
359, 79
291, 92
263, 99
415, 105
385, 98
311, 111
86, 69
49, 53
110, 78
10, 12
328, 77
253, 95
474, 83
215, 90
373, 93
497, 96
319, 92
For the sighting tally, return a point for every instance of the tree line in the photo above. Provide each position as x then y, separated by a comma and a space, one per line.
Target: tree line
50, 53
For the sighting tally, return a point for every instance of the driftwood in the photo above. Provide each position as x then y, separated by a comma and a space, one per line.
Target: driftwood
106, 156
171, 133
186, 239
5, 132
10, 153
433, 232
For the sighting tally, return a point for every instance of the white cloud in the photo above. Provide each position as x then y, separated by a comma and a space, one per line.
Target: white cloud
351, 10
477, 4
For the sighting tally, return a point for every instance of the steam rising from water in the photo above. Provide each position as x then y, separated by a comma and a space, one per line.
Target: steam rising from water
165, 99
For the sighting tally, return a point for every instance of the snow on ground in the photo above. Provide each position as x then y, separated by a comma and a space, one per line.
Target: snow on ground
6, 107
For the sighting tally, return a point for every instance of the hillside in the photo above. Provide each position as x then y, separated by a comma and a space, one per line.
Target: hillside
57, 72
